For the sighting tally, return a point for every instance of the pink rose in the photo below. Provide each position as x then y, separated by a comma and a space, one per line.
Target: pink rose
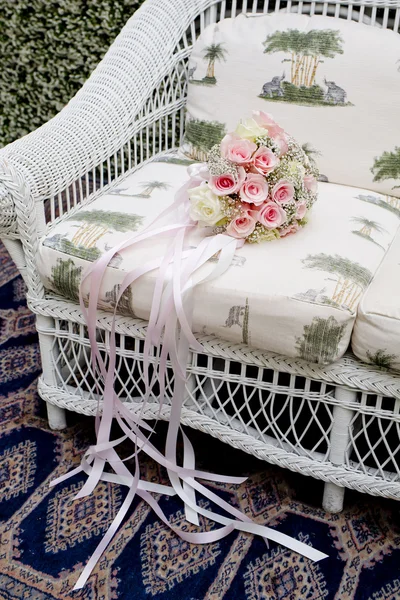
265, 120
274, 130
254, 189
271, 215
250, 210
289, 230
281, 140
236, 149
301, 210
283, 191
310, 183
225, 184
242, 226
264, 160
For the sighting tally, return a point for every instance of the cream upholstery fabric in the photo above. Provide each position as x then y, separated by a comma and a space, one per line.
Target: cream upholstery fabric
339, 93
376, 337
297, 296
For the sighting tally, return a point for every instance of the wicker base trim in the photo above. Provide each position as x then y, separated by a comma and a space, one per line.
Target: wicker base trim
347, 371
338, 474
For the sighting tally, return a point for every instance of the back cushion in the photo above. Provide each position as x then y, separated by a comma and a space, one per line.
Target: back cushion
332, 84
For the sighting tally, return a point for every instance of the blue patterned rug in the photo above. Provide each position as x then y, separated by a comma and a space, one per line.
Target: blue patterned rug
46, 538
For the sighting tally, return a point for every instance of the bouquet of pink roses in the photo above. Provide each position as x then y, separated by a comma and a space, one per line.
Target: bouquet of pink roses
257, 185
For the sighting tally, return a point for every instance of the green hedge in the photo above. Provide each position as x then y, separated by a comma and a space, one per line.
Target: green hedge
48, 48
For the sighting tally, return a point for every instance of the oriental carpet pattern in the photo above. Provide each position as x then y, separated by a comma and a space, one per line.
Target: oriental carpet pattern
46, 537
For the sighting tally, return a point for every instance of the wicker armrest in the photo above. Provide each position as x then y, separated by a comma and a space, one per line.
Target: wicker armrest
8, 224
103, 114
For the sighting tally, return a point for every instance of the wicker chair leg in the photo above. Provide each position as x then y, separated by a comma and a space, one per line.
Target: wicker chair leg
56, 415
333, 498
340, 435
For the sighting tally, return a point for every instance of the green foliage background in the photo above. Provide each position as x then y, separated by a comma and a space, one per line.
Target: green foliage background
48, 49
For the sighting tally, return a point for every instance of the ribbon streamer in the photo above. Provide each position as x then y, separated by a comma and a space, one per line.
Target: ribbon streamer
170, 332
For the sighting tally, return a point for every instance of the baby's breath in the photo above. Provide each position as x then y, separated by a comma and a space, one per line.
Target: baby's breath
267, 142
231, 207
296, 152
311, 199
313, 170
219, 229
302, 195
217, 165
291, 170
290, 209
262, 234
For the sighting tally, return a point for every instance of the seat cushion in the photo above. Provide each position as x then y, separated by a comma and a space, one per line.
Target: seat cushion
376, 336
296, 296
332, 84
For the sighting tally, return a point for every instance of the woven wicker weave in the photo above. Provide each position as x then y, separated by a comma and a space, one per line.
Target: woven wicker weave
339, 423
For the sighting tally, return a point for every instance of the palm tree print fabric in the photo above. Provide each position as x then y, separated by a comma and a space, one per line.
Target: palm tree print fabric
212, 54
88, 233
387, 166
367, 229
332, 84
297, 297
91, 226
349, 276
305, 51
382, 359
376, 337
148, 188
201, 136
389, 203
320, 340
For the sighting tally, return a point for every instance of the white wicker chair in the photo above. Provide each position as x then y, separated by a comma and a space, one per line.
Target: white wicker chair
131, 109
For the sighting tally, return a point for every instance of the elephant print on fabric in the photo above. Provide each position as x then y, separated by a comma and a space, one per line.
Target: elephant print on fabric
305, 51
273, 87
334, 94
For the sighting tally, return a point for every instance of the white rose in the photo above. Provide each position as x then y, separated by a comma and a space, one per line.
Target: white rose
204, 205
249, 130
